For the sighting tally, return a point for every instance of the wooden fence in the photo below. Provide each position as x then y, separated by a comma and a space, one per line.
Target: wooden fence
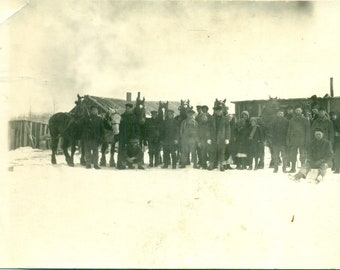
28, 133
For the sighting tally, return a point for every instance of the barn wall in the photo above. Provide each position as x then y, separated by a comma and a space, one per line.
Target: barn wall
27, 133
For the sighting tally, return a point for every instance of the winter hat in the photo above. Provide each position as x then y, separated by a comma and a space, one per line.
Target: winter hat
253, 119
128, 105
246, 113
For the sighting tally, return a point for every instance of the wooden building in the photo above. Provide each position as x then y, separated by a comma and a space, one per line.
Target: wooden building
255, 107
28, 133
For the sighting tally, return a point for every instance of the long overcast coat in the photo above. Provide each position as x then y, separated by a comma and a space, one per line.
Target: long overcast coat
298, 131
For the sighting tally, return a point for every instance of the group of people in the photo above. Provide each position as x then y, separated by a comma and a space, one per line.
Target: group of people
218, 140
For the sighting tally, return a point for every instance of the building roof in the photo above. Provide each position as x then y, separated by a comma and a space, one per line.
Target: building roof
114, 103
284, 99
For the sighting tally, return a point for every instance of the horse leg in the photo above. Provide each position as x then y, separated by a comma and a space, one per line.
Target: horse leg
67, 155
103, 151
112, 153
73, 150
82, 153
54, 146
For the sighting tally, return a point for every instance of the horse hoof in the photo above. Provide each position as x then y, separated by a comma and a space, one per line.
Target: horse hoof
71, 165
54, 162
102, 163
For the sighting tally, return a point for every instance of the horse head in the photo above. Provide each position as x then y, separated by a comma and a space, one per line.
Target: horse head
139, 109
219, 102
113, 119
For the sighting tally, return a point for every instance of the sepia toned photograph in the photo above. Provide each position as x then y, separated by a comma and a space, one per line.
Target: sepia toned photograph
170, 134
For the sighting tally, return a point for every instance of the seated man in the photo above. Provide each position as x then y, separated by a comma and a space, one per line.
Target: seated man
319, 156
134, 154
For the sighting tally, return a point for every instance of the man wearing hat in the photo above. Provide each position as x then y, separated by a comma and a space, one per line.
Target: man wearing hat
325, 124
289, 112
218, 137
203, 131
153, 138
188, 135
278, 133
298, 137
169, 139
128, 130
93, 134
336, 146
319, 156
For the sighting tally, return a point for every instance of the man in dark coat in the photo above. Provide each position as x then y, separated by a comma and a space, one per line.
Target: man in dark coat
218, 137
298, 137
337, 146
153, 138
230, 147
203, 131
319, 156
256, 143
189, 139
93, 134
128, 130
322, 122
279, 130
169, 139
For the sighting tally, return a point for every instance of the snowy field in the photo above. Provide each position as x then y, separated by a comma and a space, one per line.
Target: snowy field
58, 216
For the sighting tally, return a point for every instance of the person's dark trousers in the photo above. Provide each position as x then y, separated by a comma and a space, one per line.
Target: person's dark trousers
216, 154
203, 158
91, 152
154, 149
169, 150
277, 149
121, 162
293, 150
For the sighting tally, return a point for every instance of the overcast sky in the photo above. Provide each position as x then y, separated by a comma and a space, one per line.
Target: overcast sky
168, 50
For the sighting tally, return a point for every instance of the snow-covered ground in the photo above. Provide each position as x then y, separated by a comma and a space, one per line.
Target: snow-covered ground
58, 216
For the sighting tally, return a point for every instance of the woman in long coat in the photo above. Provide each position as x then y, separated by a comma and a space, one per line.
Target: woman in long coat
242, 143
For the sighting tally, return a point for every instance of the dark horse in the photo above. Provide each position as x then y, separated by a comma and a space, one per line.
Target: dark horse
266, 119
139, 111
183, 108
111, 122
66, 126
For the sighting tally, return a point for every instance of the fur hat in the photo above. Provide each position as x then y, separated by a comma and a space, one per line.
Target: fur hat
297, 106
318, 129
246, 113
205, 107
253, 119
128, 105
